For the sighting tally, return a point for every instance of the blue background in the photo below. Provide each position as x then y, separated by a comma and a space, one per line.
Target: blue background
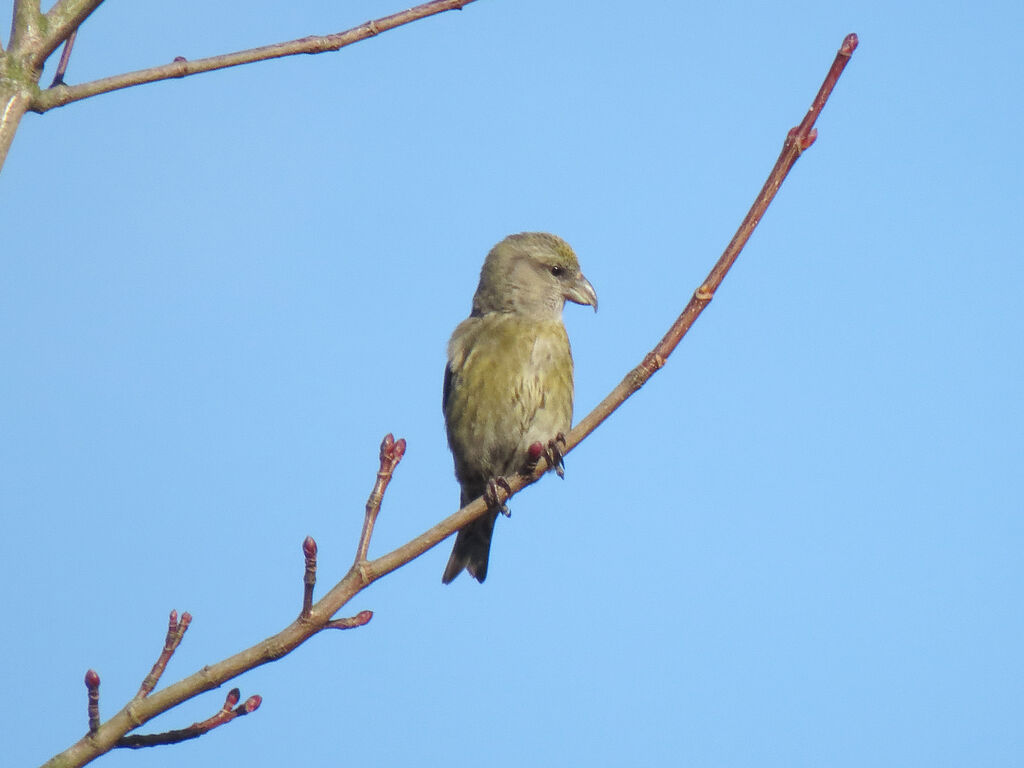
798, 545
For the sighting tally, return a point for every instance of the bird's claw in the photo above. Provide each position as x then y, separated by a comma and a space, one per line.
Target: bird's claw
492, 498
552, 453
555, 454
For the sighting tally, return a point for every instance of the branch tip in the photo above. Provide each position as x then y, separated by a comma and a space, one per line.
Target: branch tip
391, 453
251, 704
850, 43
360, 619
309, 576
92, 686
309, 548
175, 632
231, 700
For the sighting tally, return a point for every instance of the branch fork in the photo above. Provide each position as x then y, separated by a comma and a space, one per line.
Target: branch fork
229, 711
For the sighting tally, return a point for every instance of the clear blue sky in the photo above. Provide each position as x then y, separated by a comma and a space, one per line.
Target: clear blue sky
799, 545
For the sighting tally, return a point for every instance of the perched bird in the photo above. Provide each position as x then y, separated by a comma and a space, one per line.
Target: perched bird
508, 383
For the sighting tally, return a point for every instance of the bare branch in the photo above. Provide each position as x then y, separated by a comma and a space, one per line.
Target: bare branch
358, 620
25, 25
63, 19
92, 687
175, 632
21, 6
65, 57
180, 67
391, 452
309, 576
798, 139
227, 713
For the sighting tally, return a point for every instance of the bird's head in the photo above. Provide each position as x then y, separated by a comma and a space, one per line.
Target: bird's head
532, 273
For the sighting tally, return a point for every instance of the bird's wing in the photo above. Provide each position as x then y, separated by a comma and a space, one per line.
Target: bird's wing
447, 387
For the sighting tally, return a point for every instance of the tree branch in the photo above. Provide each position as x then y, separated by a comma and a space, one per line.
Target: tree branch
33, 38
308, 576
351, 622
228, 712
175, 633
63, 19
391, 452
65, 57
318, 617
60, 95
92, 688
797, 140
25, 24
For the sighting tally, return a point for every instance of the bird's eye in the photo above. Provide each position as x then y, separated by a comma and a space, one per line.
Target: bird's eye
557, 271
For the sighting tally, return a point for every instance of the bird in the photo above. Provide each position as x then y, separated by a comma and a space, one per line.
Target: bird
508, 382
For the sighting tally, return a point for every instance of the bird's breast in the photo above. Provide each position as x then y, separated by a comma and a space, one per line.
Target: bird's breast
511, 386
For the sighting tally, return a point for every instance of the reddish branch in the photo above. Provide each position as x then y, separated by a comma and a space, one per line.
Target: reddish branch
358, 620
226, 714
175, 632
60, 95
363, 572
65, 57
798, 139
309, 576
391, 452
92, 687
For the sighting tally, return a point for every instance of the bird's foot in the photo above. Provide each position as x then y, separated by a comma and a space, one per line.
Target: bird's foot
556, 453
552, 453
493, 499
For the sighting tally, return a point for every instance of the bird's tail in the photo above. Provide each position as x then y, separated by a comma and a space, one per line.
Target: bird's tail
471, 550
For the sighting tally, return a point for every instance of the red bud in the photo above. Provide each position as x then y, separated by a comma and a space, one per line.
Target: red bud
309, 547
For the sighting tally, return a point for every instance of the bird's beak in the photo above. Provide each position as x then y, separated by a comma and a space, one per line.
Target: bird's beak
582, 292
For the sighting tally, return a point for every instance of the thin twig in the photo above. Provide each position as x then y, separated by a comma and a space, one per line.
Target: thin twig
175, 632
92, 687
62, 20
65, 57
358, 620
309, 575
391, 452
63, 94
226, 714
797, 140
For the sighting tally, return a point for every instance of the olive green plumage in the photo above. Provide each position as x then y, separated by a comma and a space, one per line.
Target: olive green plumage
508, 382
